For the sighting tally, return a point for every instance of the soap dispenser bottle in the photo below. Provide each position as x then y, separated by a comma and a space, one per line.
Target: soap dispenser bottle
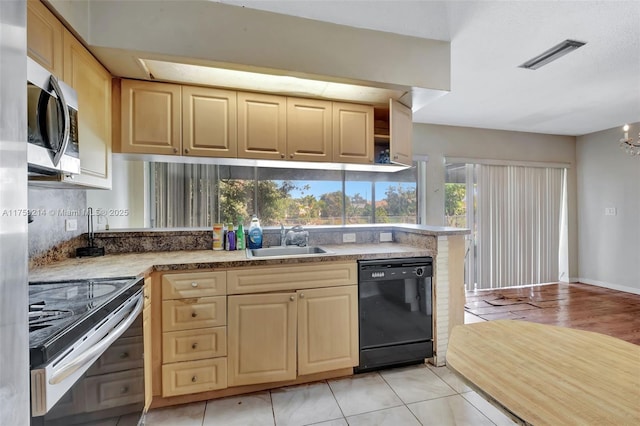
240, 236
255, 234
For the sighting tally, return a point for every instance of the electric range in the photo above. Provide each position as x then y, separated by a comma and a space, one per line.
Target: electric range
71, 323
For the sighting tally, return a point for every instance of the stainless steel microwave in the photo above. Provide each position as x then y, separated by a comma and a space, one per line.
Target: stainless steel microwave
52, 117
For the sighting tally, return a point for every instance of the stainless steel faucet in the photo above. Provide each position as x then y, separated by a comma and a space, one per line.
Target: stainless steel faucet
297, 236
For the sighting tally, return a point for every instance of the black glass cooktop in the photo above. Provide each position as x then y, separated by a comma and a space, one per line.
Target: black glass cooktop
60, 312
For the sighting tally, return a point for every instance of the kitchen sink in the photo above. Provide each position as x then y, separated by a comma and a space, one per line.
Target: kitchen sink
285, 251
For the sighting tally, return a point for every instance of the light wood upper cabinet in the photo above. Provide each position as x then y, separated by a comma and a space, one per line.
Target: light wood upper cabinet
151, 117
261, 338
44, 37
209, 122
93, 84
352, 133
309, 125
262, 123
327, 329
401, 132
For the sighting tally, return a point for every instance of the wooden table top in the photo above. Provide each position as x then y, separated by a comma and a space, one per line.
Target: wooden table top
548, 375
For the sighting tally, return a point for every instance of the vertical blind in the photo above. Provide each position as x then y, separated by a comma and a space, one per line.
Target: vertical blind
519, 221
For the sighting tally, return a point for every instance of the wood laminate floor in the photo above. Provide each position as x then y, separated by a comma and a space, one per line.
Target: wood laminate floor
581, 306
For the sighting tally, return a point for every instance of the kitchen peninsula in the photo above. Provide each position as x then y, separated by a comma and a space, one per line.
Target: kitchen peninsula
130, 253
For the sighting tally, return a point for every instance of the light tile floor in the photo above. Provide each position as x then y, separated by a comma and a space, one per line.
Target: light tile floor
402, 396
416, 395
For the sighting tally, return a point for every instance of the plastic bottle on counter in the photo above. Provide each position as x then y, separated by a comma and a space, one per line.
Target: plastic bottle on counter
218, 236
231, 238
255, 234
240, 236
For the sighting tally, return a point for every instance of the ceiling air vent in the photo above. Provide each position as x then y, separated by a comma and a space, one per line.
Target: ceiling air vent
552, 54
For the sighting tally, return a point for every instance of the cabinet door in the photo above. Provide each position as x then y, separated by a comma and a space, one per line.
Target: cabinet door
151, 117
209, 122
401, 131
261, 344
93, 85
44, 37
309, 130
327, 329
262, 126
352, 133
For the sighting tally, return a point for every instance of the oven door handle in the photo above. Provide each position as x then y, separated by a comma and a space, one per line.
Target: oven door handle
100, 347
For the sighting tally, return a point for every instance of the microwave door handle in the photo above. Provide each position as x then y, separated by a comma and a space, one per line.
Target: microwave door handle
98, 348
64, 137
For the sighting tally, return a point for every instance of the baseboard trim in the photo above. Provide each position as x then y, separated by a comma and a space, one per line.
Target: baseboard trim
609, 285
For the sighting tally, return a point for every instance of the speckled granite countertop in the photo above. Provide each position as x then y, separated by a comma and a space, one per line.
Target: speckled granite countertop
137, 264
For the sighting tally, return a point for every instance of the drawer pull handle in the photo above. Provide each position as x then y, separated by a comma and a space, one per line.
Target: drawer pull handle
124, 389
194, 284
194, 379
292, 298
194, 314
193, 346
124, 355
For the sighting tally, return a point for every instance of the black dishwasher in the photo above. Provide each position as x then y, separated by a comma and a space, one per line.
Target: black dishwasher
395, 312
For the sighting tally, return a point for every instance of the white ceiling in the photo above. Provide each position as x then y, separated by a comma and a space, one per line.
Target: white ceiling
593, 88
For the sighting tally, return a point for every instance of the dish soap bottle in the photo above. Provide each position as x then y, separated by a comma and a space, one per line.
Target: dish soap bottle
240, 236
255, 234
231, 238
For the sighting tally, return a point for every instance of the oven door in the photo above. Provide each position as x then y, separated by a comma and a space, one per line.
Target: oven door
50, 382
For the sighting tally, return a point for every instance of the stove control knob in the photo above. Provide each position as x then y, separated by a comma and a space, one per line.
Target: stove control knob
419, 272
194, 284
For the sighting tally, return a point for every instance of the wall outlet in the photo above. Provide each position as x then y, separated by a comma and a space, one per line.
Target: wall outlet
386, 237
610, 211
70, 224
349, 238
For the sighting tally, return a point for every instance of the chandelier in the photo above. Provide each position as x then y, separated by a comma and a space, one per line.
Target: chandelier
628, 145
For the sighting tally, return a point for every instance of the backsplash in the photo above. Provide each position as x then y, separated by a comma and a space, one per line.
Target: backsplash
48, 238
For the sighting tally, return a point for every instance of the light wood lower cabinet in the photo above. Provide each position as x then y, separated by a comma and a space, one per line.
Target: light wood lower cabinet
187, 314
250, 326
327, 329
262, 338
183, 378
275, 337
195, 344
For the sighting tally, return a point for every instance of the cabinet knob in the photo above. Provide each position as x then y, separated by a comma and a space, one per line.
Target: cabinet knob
292, 298
301, 295
124, 389
194, 314
194, 284
195, 345
175, 150
124, 355
281, 155
194, 379
186, 150
290, 155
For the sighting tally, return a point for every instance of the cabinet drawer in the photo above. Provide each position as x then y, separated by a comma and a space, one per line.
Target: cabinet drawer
114, 390
294, 277
189, 314
193, 284
126, 353
194, 376
190, 345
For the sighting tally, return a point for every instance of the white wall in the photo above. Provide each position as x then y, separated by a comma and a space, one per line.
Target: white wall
609, 246
127, 193
439, 142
